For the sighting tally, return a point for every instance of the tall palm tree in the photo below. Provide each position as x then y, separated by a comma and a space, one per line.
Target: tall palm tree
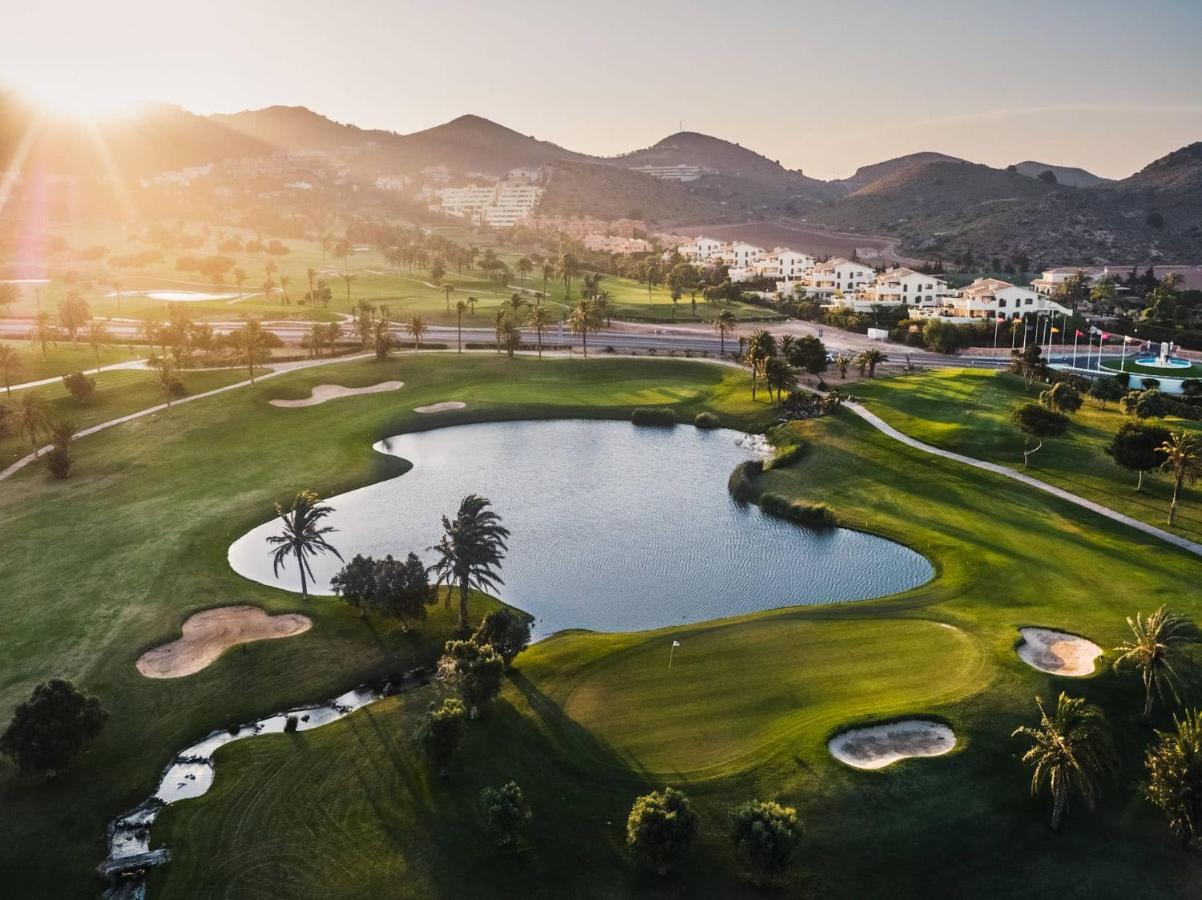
525, 266
10, 365
447, 287
569, 268
1157, 643
252, 345
416, 327
582, 319
605, 307
302, 536
31, 415
779, 376
347, 278
471, 550
460, 306
516, 302
871, 359
761, 347
724, 324
117, 285
285, 280
1183, 459
98, 339
239, 275
1071, 750
471, 302
548, 271
842, 362
311, 274
43, 332
539, 318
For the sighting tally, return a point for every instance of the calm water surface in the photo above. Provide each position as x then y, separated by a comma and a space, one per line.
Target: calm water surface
615, 527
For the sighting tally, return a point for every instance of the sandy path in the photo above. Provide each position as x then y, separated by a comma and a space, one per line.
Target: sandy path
882, 745
440, 407
325, 392
1058, 652
206, 635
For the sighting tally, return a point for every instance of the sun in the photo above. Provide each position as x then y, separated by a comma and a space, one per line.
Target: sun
75, 99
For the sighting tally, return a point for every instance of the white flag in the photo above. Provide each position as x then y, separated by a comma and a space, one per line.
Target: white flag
676, 643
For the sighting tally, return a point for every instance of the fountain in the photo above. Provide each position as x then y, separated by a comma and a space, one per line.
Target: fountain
1164, 360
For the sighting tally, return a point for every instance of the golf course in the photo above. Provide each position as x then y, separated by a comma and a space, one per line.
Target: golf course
109, 564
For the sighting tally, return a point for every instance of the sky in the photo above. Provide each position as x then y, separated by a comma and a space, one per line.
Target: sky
820, 86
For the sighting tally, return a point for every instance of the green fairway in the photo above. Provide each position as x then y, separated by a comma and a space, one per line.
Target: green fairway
967, 410
585, 721
63, 359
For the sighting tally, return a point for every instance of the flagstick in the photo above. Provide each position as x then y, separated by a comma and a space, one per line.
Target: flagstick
671, 653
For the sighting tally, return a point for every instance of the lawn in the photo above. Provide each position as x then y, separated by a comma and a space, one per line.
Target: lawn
406, 292
62, 359
584, 723
967, 410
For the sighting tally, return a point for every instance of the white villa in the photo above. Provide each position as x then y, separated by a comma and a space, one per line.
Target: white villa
993, 298
501, 205
834, 278
902, 286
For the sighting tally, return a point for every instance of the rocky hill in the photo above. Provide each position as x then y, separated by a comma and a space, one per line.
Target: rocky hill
1068, 175
866, 175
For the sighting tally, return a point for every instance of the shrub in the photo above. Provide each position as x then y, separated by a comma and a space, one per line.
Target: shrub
706, 420
1062, 397
765, 836
1123, 378
474, 669
661, 828
290, 724
1106, 390
49, 729
505, 811
439, 732
803, 512
506, 631
740, 484
653, 415
786, 456
1151, 384
80, 386
1144, 404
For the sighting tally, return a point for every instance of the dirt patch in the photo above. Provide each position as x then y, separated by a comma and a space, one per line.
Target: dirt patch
1058, 652
881, 745
208, 634
440, 407
324, 392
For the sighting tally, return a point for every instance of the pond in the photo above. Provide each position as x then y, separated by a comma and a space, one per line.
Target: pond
614, 527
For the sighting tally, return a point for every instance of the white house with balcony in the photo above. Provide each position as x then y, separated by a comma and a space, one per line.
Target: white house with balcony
904, 287
836, 277
993, 298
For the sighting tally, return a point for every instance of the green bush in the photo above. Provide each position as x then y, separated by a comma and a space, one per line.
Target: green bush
786, 456
505, 810
661, 828
706, 420
765, 837
653, 415
741, 482
803, 512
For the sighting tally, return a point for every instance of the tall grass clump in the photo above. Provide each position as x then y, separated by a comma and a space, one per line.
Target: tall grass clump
802, 512
653, 415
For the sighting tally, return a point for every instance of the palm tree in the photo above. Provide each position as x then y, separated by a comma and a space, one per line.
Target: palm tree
348, 277
605, 307
165, 377
1183, 458
539, 318
870, 359
723, 323
761, 347
779, 376
447, 287
416, 327
10, 365
43, 332
285, 280
582, 319
382, 337
1174, 784
1158, 643
525, 266
311, 273
117, 285
460, 306
471, 550
98, 339
548, 271
303, 535
252, 345
31, 416
569, 267
842, 362
516, 302
1071, 750
239, 276
471, 302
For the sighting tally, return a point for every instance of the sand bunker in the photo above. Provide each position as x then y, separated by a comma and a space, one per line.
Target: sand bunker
440, 407
207, 634
1057, 652
324, 392
882, 745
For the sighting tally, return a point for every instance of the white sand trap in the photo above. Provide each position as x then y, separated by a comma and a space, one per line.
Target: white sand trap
324, 392
881, 745
208, 634
1057, 652
440, 407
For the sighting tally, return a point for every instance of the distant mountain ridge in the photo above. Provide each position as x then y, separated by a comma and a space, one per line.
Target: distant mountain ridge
937, 205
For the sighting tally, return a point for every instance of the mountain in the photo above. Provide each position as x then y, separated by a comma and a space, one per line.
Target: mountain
474, 144
741, 180
865, 175
614, 192
297, 128
1170, 186
1068, 175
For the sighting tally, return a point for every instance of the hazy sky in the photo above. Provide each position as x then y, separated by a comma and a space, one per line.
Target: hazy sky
822, 86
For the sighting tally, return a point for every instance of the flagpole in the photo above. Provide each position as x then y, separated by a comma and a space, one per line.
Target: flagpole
996, 322
1076, 335
1123, 357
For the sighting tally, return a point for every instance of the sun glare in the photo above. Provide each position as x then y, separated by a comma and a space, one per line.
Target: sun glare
76, 100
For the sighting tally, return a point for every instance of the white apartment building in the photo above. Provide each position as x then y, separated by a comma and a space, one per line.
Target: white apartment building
528, 174
901, 286
700, 249
392, 183
609, 243
678, 172
500, 205
835, 277
991, 297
